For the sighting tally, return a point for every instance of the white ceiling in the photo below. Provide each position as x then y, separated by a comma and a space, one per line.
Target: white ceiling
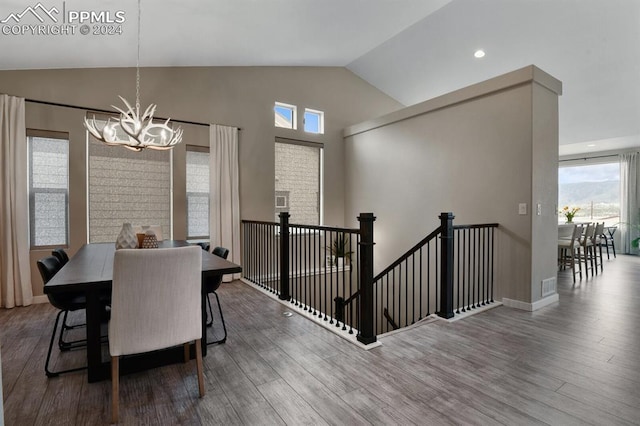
412, 50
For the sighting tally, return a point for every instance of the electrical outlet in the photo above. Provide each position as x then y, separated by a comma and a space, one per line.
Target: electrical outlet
522, 208
539, 209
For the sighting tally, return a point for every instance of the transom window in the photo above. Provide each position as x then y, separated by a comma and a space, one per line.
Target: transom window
285, 115
313, 121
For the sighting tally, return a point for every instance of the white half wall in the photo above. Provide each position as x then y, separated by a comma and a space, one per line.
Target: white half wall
478, 152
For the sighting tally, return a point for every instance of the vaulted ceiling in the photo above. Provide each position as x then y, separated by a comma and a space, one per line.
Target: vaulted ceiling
412, 50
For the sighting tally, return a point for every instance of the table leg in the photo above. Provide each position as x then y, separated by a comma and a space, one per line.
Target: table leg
94, 352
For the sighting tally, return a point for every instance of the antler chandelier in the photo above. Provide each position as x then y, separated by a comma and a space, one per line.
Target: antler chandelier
132, 130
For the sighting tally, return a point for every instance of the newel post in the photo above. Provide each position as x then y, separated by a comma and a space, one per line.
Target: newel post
284, 256
446, 264
366, 333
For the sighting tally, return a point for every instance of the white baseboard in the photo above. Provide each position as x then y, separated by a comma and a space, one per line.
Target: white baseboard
40, 299
525, 306
336, 330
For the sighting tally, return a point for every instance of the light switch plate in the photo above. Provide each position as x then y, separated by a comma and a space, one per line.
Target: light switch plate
522, 208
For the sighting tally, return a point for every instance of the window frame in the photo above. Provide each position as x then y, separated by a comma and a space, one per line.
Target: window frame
168, 233
294, 115
320, 115
320, 147
49, 134
571, 162
201, 149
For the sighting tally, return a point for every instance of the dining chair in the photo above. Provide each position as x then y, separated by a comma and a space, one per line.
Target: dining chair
570, 252
66, 303
211, 285
155, 304
61, 255
205, 246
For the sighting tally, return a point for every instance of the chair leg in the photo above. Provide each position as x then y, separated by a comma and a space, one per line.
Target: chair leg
224, 327
613, 246
601, 264
573, 264
115, 389
62, 344
199, 367
186, 352
53, 338
210, 313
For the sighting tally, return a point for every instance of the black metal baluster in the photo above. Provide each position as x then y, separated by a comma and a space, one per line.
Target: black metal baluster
484, 266
458, 269
311, 272
420, 286
492, 264
429, 278
413, 287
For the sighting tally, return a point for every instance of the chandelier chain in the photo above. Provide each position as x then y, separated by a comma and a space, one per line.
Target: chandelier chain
138, 65
133, 130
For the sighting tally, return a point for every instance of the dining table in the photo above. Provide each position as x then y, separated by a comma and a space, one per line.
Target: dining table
90, 271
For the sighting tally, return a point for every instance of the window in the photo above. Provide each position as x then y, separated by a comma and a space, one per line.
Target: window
298, 181
313, 121
48, 189
285, 115
594, 189
197, 193
127, 186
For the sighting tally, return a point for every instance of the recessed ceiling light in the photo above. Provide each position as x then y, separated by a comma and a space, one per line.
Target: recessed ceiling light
591, 145
479, 53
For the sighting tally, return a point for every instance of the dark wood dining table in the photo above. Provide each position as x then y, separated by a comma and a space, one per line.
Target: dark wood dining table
90, 271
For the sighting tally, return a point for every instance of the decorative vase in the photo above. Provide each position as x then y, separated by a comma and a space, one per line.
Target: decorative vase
330, 261
126, 238
150, 240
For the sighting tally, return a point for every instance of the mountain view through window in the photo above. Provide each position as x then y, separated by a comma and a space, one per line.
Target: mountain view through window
594, 189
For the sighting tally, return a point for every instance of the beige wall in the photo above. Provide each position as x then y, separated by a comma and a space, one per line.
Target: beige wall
477, 152
236, 96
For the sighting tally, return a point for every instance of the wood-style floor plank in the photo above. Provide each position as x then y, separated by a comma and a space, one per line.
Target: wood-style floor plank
574, 362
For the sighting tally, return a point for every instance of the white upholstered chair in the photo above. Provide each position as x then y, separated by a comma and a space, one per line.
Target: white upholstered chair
155, 304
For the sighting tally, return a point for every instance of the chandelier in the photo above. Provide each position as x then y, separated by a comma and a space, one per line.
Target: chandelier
133, 130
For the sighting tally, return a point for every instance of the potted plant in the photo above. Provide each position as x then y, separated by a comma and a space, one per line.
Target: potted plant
340, 249
569, 213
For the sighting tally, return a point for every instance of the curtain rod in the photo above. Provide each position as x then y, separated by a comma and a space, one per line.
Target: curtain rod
589, 158
35, 101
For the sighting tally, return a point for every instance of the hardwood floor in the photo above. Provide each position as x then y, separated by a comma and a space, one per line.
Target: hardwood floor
575, 362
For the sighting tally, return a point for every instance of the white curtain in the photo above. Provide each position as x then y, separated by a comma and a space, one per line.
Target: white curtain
629, 197
15, 272
224, 219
